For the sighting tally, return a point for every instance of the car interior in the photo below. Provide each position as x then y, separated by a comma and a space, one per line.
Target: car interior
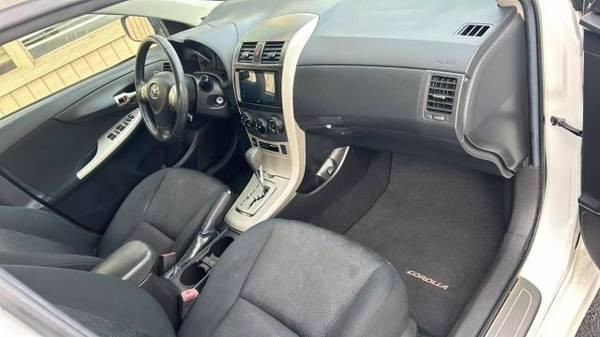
285, 168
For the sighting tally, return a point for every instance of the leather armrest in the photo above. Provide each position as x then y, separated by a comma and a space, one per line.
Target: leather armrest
132, 262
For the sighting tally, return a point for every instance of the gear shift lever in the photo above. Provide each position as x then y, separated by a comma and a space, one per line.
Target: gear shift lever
256, 194
254, 159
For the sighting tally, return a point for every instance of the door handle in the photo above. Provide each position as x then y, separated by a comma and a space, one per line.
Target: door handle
125, 98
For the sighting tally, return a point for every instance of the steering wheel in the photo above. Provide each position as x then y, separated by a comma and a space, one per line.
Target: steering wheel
164, 99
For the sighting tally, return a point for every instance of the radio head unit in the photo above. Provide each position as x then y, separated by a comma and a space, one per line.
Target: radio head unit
258, 87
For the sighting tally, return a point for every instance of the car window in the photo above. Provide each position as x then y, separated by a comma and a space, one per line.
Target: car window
51, 59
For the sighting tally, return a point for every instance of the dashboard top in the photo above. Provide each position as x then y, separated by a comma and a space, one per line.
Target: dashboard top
421, 34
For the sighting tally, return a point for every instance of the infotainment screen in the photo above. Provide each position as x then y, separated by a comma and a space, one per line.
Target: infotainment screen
258, 87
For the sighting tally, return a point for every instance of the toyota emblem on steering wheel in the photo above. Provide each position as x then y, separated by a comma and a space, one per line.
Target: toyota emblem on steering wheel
154, 91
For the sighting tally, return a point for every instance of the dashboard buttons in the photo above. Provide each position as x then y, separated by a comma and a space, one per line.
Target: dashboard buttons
272, 125
261, 125
246, 120
437, 117
275, 125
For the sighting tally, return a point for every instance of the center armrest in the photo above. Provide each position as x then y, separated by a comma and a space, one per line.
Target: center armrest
132, 262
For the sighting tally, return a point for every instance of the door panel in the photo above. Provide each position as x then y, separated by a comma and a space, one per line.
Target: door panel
590, 168
47, 159
93, 201
43, 147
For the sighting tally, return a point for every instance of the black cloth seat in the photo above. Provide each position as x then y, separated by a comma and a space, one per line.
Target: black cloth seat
165, 211
104, 304
280, 278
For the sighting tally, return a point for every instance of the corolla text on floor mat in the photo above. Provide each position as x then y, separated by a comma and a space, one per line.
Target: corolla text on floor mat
427, 279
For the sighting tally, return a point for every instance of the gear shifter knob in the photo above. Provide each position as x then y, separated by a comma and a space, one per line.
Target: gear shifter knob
254, 158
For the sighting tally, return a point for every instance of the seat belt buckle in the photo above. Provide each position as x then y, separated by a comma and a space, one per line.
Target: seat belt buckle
166, 261
186, 301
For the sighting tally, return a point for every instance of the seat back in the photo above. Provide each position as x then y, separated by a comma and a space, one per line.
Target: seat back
164, 211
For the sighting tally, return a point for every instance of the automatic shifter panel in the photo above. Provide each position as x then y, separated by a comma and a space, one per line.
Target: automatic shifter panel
254, 200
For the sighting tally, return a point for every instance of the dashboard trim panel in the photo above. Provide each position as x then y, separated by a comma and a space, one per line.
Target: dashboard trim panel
286, 169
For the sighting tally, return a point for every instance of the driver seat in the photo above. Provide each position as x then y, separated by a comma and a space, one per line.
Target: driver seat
165, 211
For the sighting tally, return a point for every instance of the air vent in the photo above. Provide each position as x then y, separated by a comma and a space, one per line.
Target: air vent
166, 66
474, 30
271, 52
441, 94
247, 52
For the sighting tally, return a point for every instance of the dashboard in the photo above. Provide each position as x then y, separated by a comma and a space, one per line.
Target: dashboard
199, 58
440, 78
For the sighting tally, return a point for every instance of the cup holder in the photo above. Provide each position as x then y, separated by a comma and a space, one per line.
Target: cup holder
219, 247
192, 275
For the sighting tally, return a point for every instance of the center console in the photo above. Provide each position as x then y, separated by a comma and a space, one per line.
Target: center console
258, 91
194, 272
264, 71
263, 77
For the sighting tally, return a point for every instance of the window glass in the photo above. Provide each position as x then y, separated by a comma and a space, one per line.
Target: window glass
51, 59
6, 63
46, 40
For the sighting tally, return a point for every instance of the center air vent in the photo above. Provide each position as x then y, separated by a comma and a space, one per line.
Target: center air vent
441, 95
473, 29
247, 52
166, 66
271, 52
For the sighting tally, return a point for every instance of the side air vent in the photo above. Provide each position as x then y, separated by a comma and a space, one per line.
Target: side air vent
474, 30
247, 52
271, 52
441, 95
166, 66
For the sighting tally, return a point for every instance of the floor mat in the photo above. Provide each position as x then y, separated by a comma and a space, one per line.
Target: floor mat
441, 227
590, 326
353, 203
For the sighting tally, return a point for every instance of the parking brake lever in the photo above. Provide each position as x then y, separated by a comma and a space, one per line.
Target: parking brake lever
206, 234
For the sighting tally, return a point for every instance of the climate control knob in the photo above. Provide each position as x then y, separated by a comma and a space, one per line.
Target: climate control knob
276, 125
261, 125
